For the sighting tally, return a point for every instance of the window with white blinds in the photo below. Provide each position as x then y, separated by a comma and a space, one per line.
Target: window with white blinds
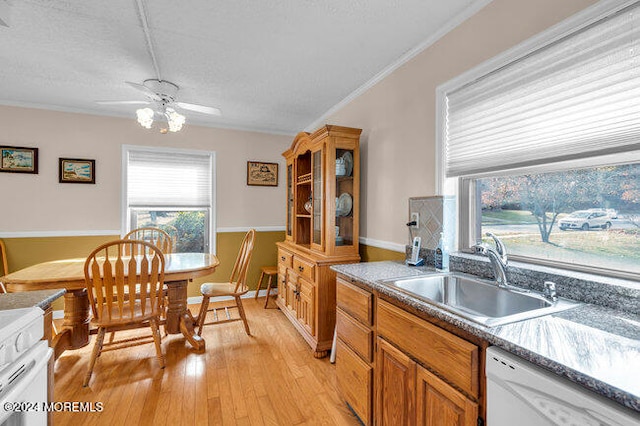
168, 179
576, 97
171, 189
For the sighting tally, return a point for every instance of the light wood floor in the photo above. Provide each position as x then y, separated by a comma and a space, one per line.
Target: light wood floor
269, 378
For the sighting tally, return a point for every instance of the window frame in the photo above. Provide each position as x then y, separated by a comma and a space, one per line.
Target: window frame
126, 217
462, 187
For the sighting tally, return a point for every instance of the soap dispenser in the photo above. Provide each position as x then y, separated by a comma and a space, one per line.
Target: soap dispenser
441, 255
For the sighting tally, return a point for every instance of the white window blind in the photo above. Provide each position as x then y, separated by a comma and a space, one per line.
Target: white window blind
168, 179
574, 98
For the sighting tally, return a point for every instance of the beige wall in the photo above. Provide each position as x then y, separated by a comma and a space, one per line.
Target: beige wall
397, 115
39, 203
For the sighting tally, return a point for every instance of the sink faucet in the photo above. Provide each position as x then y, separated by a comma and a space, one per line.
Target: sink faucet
498, 258
550, 291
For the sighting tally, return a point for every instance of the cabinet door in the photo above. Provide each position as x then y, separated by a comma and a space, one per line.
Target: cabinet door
306, 305
292, 291
346, 193
395, 386
289, 235
282, 283
439, 404
317, 194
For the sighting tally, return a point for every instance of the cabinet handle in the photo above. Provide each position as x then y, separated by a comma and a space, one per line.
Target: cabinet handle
300, 268
282, 258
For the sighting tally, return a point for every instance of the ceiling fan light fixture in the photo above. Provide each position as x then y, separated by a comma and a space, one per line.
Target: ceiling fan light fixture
145, 117
174, 119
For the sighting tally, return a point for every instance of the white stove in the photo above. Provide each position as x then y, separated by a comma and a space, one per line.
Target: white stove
23, 367
20, 329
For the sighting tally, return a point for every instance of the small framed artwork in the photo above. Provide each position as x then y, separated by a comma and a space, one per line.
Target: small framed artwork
16, 159
75, 170
262, 174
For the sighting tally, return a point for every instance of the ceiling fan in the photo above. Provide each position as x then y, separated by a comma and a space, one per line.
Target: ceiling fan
161, 98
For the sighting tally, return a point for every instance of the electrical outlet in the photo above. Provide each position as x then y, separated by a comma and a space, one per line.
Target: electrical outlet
415, 217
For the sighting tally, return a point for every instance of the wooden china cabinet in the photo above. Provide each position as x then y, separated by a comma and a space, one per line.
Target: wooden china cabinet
323, 201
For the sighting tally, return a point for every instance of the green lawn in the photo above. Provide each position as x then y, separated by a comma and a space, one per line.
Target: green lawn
613, 249
490, 217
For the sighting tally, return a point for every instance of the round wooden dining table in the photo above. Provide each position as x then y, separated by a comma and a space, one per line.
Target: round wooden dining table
180, 268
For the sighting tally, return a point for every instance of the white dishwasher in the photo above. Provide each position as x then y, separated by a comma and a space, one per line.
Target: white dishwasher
520, 393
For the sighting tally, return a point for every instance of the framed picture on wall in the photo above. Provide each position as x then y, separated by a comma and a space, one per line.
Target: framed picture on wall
262, 174
17, 159
75, 170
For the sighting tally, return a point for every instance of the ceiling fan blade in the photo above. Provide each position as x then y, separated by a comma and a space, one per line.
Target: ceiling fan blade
144, 89
198, 108
123, 102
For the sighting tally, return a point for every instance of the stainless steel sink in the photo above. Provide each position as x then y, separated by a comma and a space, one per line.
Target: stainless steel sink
478, 300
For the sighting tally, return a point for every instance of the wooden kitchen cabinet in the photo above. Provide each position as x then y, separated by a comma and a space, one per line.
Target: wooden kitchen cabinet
355, 379
323, 202
355, 347
438, 403
448, 355
395, 368
395, 386
409, 394
440, 369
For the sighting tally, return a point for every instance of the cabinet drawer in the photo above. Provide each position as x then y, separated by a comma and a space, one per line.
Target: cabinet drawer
354, 334
355, 380
285, 258
303, 267
355, 301
450, 356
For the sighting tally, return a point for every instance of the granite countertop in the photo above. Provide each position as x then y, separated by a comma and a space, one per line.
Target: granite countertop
27, 299
594, 346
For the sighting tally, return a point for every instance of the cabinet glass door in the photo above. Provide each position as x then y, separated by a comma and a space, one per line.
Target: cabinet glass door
344, 197
318, 197
289, 200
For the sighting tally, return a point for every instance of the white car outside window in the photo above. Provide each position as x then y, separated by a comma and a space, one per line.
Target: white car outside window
585, 220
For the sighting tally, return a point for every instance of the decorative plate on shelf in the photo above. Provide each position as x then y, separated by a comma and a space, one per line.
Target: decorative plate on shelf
344, 203
348, 162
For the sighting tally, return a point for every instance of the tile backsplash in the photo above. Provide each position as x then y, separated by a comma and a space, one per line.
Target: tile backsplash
437, 214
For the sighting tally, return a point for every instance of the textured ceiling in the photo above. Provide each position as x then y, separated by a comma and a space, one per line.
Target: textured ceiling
270, 65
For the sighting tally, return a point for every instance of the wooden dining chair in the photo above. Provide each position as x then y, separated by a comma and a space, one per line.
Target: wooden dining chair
155, 236
236, 287
161, 239
5, 265
110, 276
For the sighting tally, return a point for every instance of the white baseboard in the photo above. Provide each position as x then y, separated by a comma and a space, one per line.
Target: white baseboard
196, 300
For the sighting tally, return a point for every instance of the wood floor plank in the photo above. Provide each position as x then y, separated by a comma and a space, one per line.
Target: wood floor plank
269, 378
268, 411
214, 411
